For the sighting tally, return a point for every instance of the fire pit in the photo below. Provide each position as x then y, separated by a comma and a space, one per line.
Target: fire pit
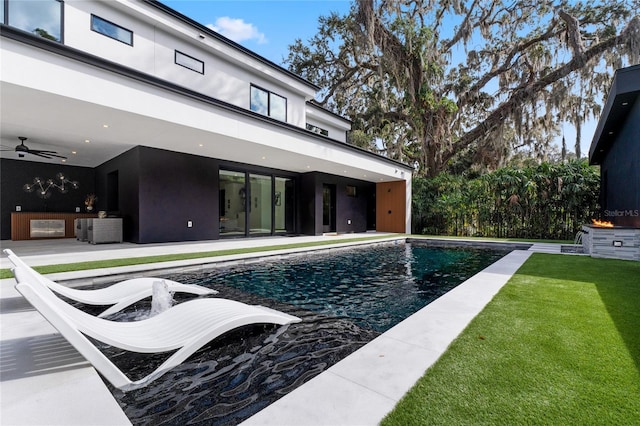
604, 239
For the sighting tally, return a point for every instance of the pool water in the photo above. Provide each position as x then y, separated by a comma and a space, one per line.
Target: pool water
375, 287
345, 298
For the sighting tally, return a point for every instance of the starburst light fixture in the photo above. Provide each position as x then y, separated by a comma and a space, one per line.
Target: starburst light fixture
42, 187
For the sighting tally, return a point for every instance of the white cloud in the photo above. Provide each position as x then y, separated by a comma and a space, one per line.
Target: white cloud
237, 30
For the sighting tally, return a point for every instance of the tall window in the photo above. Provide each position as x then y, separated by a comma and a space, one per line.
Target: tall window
111, 30
40, 17
268, 103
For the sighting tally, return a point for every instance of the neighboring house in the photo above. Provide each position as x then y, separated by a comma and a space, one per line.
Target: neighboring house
183, 133
616, 149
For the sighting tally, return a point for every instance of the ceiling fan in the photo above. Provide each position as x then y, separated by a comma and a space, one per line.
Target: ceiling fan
22, 149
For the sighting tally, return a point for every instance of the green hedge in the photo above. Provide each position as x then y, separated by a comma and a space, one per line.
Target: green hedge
547, 201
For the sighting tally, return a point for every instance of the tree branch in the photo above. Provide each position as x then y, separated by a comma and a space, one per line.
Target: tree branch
528, 92
507, 64
574, 38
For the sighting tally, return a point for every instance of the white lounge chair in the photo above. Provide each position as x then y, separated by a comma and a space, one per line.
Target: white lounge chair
185, 327
120, 295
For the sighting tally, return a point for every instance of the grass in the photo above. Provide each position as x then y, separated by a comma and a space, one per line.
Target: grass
558, 345
111, 263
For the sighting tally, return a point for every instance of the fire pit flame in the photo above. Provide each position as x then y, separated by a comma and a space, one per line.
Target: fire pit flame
601, 223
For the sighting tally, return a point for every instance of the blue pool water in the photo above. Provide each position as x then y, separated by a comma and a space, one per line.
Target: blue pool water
375, 286
345, 298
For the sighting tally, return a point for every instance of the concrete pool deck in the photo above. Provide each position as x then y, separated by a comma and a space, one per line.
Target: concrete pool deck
45, 381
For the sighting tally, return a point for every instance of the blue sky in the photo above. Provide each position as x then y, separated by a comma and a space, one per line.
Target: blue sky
266, 27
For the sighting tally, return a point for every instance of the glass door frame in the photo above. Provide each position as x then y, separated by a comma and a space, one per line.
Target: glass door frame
249, 203
254, 210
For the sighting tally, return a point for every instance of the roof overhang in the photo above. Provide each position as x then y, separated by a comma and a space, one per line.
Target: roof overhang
60, 98
623, 94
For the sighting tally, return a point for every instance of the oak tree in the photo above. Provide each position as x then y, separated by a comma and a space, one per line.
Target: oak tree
436, 82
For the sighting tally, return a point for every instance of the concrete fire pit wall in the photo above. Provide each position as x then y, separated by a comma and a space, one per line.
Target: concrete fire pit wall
614, 243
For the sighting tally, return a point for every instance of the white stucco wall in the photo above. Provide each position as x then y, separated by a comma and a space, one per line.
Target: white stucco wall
227, 76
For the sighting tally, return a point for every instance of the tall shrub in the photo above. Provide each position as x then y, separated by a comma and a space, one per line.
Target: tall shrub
549, 201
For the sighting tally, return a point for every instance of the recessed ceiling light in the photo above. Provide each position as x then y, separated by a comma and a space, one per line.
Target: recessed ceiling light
87, 141
74, 152
611, 132
64, 161
264, 158
105, 126
200, 145
625, 103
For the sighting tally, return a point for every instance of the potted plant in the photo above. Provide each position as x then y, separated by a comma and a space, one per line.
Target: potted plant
90, 201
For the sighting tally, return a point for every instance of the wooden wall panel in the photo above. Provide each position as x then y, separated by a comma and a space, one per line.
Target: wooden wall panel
21, 223
391, 206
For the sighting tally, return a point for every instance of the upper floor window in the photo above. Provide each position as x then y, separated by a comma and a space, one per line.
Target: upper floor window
40, 17
268, 103
111, 30
189, 62
319, 130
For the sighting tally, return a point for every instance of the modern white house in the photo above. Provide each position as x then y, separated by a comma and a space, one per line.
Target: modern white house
182, 133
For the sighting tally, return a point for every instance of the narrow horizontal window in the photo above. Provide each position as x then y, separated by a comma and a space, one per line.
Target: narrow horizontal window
111, 30
318, 130
189, 62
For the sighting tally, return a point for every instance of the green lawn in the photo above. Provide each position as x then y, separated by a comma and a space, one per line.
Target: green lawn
559, 345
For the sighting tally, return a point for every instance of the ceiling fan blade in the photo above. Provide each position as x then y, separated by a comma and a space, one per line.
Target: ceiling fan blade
47, 156
58, 156
50, 153
22, 149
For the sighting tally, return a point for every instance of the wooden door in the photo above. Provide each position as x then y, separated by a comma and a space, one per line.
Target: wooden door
391, 206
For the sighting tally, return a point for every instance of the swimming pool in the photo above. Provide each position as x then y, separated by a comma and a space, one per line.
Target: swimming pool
345, 298
375, 287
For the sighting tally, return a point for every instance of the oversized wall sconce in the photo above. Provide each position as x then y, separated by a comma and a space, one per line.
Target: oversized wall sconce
42, 188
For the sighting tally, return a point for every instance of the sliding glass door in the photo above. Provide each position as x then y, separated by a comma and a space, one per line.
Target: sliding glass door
260, 206
254, 204
233, 203
284, 201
